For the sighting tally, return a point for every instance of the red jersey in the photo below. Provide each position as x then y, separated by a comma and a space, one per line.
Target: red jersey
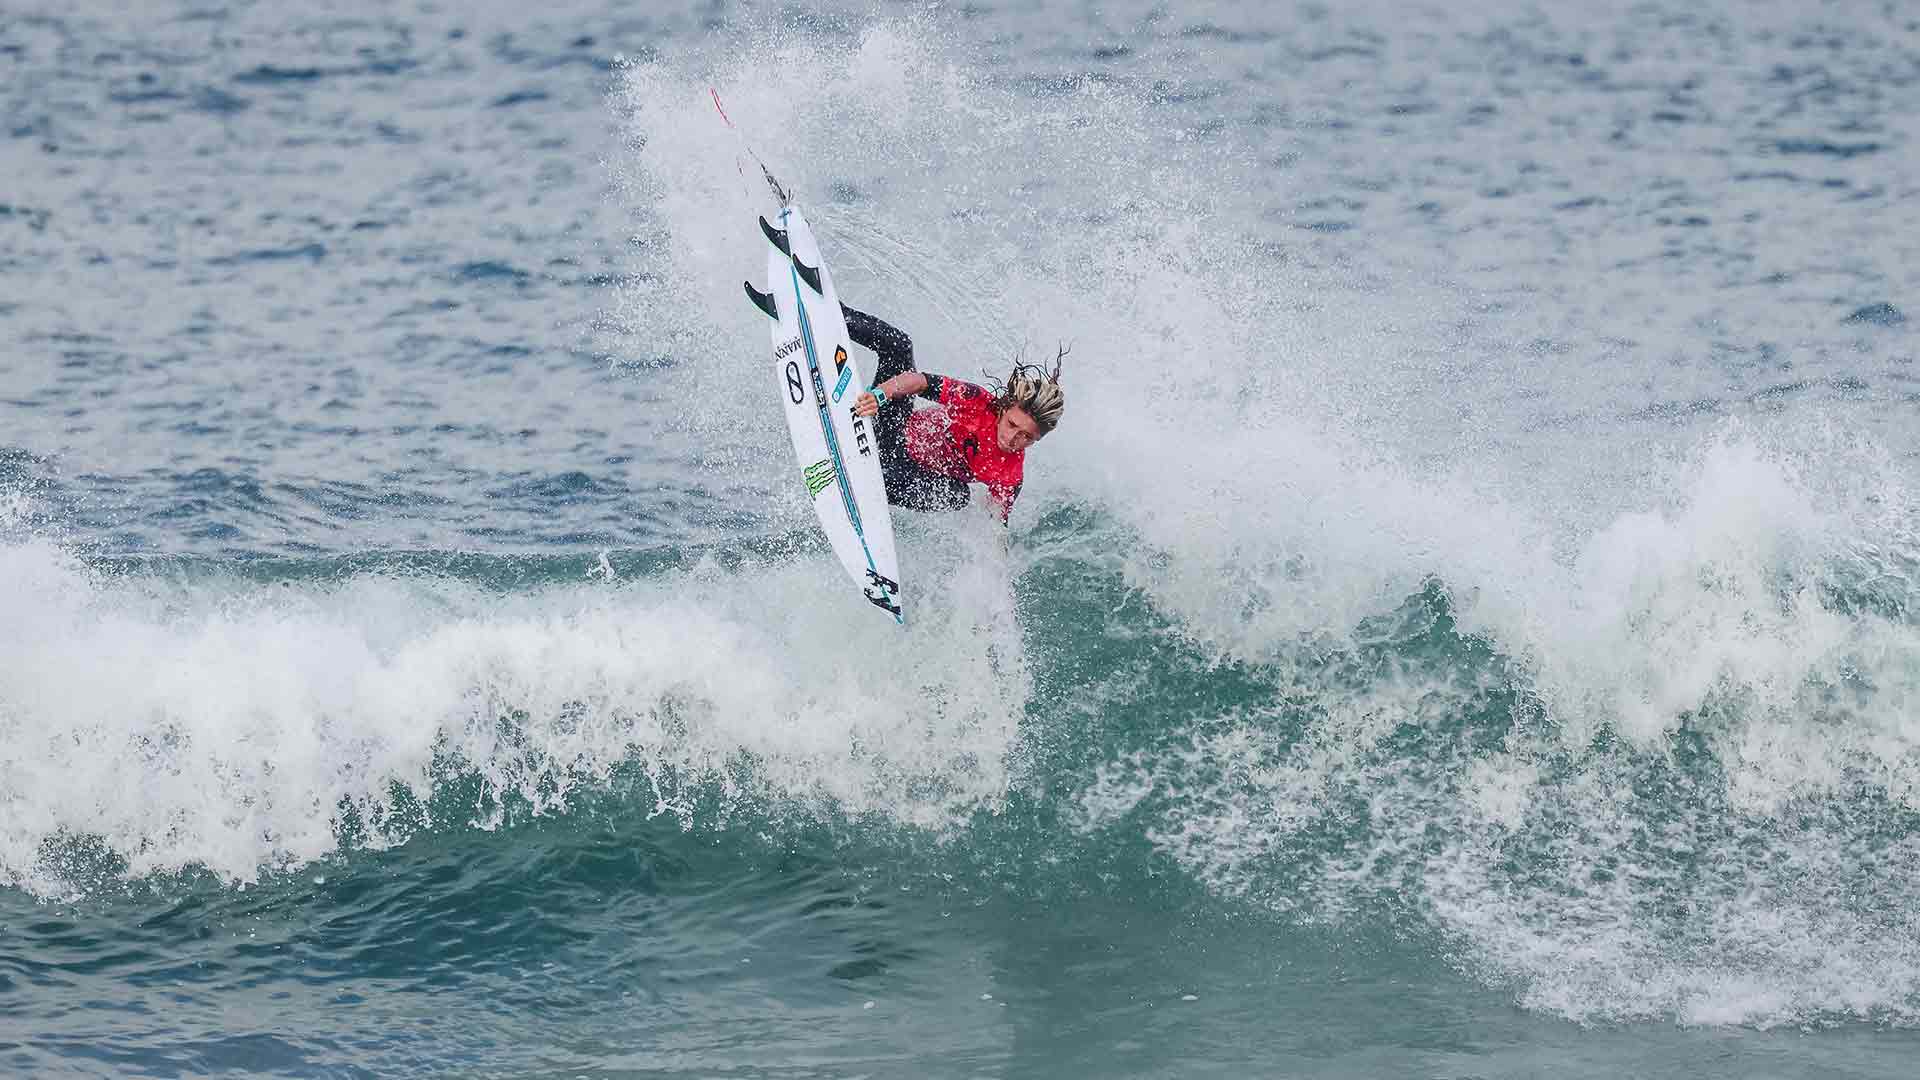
959, 438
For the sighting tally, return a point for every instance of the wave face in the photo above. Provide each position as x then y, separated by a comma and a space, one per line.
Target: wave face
1477, 566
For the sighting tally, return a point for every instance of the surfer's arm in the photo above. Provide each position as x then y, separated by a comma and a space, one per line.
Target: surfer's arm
900, 386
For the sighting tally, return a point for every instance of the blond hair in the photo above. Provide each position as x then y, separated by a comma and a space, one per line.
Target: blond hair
1036, 390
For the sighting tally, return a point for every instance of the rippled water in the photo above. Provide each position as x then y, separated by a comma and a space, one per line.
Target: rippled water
1463, 627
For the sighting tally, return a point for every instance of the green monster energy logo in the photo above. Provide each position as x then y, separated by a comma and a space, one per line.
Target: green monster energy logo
819, 477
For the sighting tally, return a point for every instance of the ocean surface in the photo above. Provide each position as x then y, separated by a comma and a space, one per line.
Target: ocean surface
1467, 624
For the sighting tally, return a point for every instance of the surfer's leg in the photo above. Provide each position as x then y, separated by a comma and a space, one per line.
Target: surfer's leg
895, 350
889, 343
908, 483
890, 436
917, 488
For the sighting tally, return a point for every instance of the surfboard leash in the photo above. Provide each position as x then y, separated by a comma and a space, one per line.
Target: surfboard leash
779, 189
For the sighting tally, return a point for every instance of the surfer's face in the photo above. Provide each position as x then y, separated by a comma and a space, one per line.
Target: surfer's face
1018, 429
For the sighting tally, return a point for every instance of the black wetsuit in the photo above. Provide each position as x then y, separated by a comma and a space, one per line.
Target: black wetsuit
909, 483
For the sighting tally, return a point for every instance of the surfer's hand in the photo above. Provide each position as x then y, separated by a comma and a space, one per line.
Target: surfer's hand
865, 404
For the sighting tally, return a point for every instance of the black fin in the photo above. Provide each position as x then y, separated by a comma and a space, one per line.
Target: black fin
763, 301
810, 275
777, 236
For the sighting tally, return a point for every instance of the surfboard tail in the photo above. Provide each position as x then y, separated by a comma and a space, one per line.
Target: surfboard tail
808, 274
776, 237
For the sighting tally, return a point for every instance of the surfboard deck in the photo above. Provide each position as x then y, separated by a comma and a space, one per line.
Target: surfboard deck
818, 378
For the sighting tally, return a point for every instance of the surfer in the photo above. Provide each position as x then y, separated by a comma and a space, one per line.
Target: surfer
929, 457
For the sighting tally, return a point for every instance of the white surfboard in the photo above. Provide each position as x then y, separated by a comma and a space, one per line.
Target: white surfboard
818, 378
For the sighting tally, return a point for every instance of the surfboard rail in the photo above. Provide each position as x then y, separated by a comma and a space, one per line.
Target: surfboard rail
835, 449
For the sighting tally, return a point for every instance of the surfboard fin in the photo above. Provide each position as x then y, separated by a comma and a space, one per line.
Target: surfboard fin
810, 275
763, 301
778, 237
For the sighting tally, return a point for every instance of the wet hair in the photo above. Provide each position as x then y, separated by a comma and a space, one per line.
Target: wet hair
1034, 389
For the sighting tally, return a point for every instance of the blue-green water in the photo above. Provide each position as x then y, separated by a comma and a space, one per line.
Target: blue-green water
1464, 626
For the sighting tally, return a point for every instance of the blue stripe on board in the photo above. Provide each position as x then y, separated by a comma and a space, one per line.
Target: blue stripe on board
826, 421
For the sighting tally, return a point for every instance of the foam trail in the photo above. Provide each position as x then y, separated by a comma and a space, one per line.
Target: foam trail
231, 727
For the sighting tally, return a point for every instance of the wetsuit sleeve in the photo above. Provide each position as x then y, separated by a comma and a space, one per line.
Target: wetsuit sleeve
889, 343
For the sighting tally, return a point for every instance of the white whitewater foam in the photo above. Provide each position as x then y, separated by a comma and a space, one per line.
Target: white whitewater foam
227, 726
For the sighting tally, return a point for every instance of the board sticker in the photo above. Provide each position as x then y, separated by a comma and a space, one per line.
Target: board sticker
819, 477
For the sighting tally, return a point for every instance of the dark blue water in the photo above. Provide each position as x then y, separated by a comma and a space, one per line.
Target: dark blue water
1463, 627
